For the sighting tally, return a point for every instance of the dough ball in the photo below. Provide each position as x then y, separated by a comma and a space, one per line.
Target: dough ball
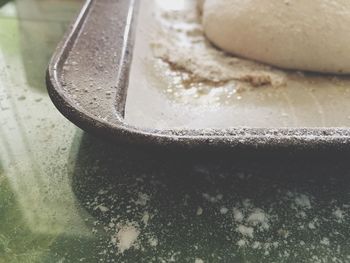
311, 35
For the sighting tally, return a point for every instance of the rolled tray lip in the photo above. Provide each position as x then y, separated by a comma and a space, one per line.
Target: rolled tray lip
120, 130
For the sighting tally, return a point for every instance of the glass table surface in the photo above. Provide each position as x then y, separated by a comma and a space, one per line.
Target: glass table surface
66, 196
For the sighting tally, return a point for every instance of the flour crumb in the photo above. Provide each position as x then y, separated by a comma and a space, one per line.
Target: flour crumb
303, 201
142, 199
312, 225
223, 210
198, 260
339, 214
199, 211
212, 199
325, 241
153, 241
102, 208
256, 245
238, 215
245, 231
126, 237
145, 218
258, 217
242, 243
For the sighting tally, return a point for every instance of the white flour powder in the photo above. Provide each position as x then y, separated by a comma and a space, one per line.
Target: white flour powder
126, 237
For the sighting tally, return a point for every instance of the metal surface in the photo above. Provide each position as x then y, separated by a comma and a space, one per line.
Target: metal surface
88, 81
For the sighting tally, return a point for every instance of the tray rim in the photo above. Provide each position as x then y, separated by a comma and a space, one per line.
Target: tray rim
119, 130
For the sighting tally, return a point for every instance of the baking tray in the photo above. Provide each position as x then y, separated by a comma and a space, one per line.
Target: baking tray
87, 80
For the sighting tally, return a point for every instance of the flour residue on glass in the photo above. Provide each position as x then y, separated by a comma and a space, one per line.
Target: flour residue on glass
243, 212
126, 237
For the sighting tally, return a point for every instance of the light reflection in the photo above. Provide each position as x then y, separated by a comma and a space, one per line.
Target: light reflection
36, 170
8, 10
172, 5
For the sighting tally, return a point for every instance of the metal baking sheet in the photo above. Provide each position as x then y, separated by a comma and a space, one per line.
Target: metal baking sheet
88, 81
305, 100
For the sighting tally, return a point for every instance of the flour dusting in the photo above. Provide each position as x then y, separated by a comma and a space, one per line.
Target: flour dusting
126, 237
181, 44
150, 208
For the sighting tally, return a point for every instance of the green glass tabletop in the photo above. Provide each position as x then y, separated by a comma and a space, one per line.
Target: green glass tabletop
66, 196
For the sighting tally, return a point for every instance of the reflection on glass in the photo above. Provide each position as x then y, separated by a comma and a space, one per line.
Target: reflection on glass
172, 4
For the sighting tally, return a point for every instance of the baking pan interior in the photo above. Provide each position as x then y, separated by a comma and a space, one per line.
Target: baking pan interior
154, 99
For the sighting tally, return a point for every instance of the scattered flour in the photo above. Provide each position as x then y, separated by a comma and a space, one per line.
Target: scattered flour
180, 42
153, 241
325, 241
258, 217
291, 224
199, 211
142, 199
145, 218
126, 237
311, 225
339, 214
212, 199
245, 231
238, 215
102, 208
303, 201
241, 243
223, 210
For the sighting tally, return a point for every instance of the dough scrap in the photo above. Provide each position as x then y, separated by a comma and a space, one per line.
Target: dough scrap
310, 35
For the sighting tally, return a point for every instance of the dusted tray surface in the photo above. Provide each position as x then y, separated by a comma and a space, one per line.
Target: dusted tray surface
88, 81
190, 83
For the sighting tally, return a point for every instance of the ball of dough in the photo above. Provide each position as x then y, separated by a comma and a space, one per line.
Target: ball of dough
311, 35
